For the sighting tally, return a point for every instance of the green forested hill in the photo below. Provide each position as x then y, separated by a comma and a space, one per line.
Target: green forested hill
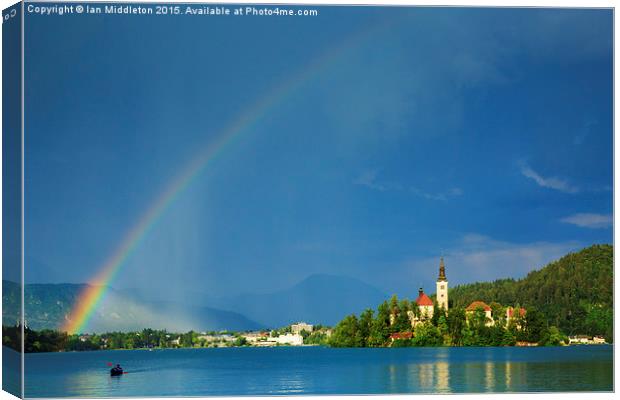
574, 293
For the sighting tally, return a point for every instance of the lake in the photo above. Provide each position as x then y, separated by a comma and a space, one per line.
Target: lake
319, 370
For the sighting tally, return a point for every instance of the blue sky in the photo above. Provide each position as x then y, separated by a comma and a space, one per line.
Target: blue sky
484, 135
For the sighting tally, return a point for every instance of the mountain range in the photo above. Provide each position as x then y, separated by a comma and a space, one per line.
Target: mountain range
317, 299
47, 306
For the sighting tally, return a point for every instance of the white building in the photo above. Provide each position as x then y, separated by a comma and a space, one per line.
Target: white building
578, 339
301, 326
289, 339
584, 339
253, 337
425, 309
473, 307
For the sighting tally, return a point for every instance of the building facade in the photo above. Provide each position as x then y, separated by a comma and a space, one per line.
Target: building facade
426, 309
512, 314
301, 326
475, 306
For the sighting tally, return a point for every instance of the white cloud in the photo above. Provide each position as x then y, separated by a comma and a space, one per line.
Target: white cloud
480, 258
428, 196
548, 182
589, 220
442, 196
369, 179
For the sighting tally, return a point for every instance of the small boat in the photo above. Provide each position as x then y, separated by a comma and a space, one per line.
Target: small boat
116, 371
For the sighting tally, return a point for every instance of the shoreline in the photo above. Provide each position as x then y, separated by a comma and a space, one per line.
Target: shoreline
311, 346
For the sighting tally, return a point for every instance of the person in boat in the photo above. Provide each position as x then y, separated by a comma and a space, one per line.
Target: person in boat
116, 370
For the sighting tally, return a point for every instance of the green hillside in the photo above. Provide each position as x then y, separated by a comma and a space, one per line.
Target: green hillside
574, 293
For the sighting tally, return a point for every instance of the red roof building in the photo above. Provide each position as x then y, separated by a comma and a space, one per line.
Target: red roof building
477, 304
401, 335
511, 311
423, 299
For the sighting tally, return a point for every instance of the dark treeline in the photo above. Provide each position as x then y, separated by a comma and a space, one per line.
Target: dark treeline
574, 293
48, 340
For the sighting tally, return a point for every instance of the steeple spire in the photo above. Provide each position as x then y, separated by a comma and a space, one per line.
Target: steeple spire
442, 271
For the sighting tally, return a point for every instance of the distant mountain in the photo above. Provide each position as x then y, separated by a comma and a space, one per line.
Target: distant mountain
47, 305
323, 299
575, 293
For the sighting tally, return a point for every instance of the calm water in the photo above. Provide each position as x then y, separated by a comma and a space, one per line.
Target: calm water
316, 370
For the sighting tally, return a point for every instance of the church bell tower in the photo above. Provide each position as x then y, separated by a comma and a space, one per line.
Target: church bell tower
442, 287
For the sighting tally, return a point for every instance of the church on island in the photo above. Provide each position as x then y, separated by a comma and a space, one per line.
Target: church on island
426, 306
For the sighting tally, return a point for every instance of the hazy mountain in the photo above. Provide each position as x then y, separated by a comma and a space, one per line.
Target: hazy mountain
324, 299
321, 299
48, 304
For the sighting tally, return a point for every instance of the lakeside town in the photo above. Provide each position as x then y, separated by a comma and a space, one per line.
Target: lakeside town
302, 334
427, 321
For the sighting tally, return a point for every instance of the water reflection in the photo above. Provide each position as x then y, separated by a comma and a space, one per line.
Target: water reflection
425, 377
446, 377
86, 383
443, 377
508, 375
418, 377
322, 371
489, 376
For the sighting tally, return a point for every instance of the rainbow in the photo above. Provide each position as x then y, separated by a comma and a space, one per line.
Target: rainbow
77, 320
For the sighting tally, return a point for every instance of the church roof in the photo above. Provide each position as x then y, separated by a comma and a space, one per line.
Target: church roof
424, 300
510, 311
474, 306
401, 335
442, 271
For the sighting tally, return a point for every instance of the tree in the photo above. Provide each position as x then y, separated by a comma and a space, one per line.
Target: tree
346, 333
497, 333
442, 325
365, 326
456, 322
426, 334
498, 312
393, 313
598, 319
402, 323
534, 325
380, 330
552, 337
187, 339
438, 313
467, 337
563, 291
394, 304
318, 338
508, 338
415, 308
